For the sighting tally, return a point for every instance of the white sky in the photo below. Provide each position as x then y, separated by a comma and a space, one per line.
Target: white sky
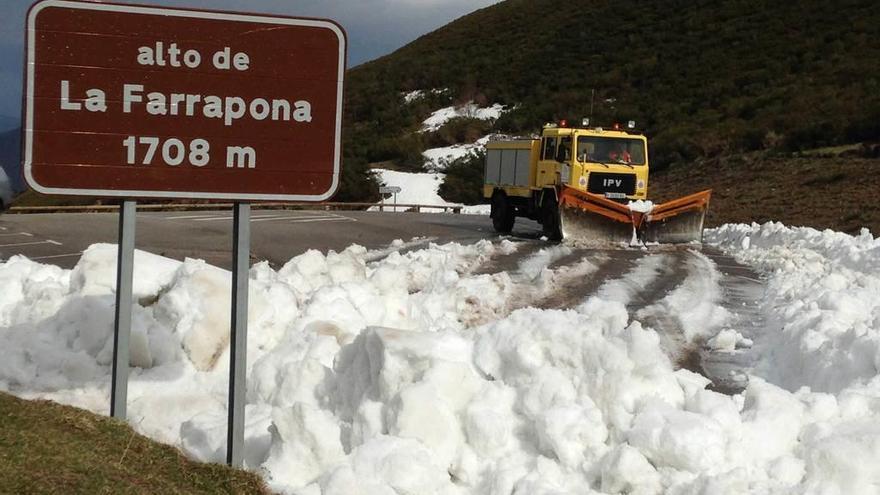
374, 27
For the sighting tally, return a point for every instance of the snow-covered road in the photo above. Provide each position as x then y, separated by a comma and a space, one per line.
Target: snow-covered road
502, 367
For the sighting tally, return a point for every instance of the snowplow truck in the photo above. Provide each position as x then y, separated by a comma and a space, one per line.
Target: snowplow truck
587, 184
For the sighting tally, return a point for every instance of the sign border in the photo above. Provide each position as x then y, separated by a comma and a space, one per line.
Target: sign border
28, 128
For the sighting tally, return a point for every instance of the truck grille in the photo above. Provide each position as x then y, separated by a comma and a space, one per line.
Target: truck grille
601, 183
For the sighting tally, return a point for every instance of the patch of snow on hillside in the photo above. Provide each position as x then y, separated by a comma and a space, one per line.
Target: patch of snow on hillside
416, 188
437, 159
408, 374
421, 93
420, 189
471, 110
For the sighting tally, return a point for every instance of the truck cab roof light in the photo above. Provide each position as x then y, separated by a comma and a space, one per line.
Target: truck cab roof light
631, 124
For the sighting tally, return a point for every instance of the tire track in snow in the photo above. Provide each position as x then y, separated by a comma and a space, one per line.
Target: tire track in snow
546, 275
520, 271
680, 293
510, 261
743, 290
614, 265
689, 313
578, 276
687, 296
670, 275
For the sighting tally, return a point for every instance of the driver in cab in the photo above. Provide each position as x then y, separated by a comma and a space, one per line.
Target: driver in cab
619, 154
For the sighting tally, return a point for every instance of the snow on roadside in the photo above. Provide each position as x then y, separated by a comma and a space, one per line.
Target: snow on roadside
416, 188
406, 375
421, 189
823, 296
470, 110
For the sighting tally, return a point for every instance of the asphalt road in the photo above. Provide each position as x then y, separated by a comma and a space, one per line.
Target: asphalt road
276, 235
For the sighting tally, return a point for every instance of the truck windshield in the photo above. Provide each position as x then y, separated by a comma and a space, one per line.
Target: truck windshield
611, 150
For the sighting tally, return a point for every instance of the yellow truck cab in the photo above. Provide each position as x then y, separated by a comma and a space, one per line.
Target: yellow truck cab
524, 178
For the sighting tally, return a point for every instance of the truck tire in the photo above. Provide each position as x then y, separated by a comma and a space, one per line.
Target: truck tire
502, 213
550, 219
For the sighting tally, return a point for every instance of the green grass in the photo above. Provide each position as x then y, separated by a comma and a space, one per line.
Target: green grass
49, 448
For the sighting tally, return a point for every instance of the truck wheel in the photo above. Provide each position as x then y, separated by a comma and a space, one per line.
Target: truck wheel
550, 219
502, 213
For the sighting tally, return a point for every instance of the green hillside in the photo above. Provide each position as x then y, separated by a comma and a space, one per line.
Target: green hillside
703, 78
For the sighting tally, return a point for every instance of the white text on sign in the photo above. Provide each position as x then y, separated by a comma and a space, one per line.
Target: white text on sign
144, 150
228, 109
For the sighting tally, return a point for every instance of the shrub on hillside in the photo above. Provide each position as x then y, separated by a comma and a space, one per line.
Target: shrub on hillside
358, 183
458, 130
464, 180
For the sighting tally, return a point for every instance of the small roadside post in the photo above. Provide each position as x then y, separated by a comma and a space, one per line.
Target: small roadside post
383, 190
131, 101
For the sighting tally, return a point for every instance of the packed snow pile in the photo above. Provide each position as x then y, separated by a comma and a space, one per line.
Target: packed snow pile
827, 304
414, 374
641, 206
470, 110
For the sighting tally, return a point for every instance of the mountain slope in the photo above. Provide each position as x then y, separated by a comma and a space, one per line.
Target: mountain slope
704, 78
10, 157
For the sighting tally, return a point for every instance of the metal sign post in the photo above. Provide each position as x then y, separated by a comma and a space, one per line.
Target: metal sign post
122, 320
102, 119
241, 243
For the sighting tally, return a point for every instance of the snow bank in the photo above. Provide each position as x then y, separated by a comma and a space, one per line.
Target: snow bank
470, 110
409, 374
824, 297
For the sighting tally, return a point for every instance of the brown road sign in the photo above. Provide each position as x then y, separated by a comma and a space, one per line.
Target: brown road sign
137, 101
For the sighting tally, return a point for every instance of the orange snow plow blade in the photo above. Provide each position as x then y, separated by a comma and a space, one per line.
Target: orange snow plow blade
591, 217
677, 221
